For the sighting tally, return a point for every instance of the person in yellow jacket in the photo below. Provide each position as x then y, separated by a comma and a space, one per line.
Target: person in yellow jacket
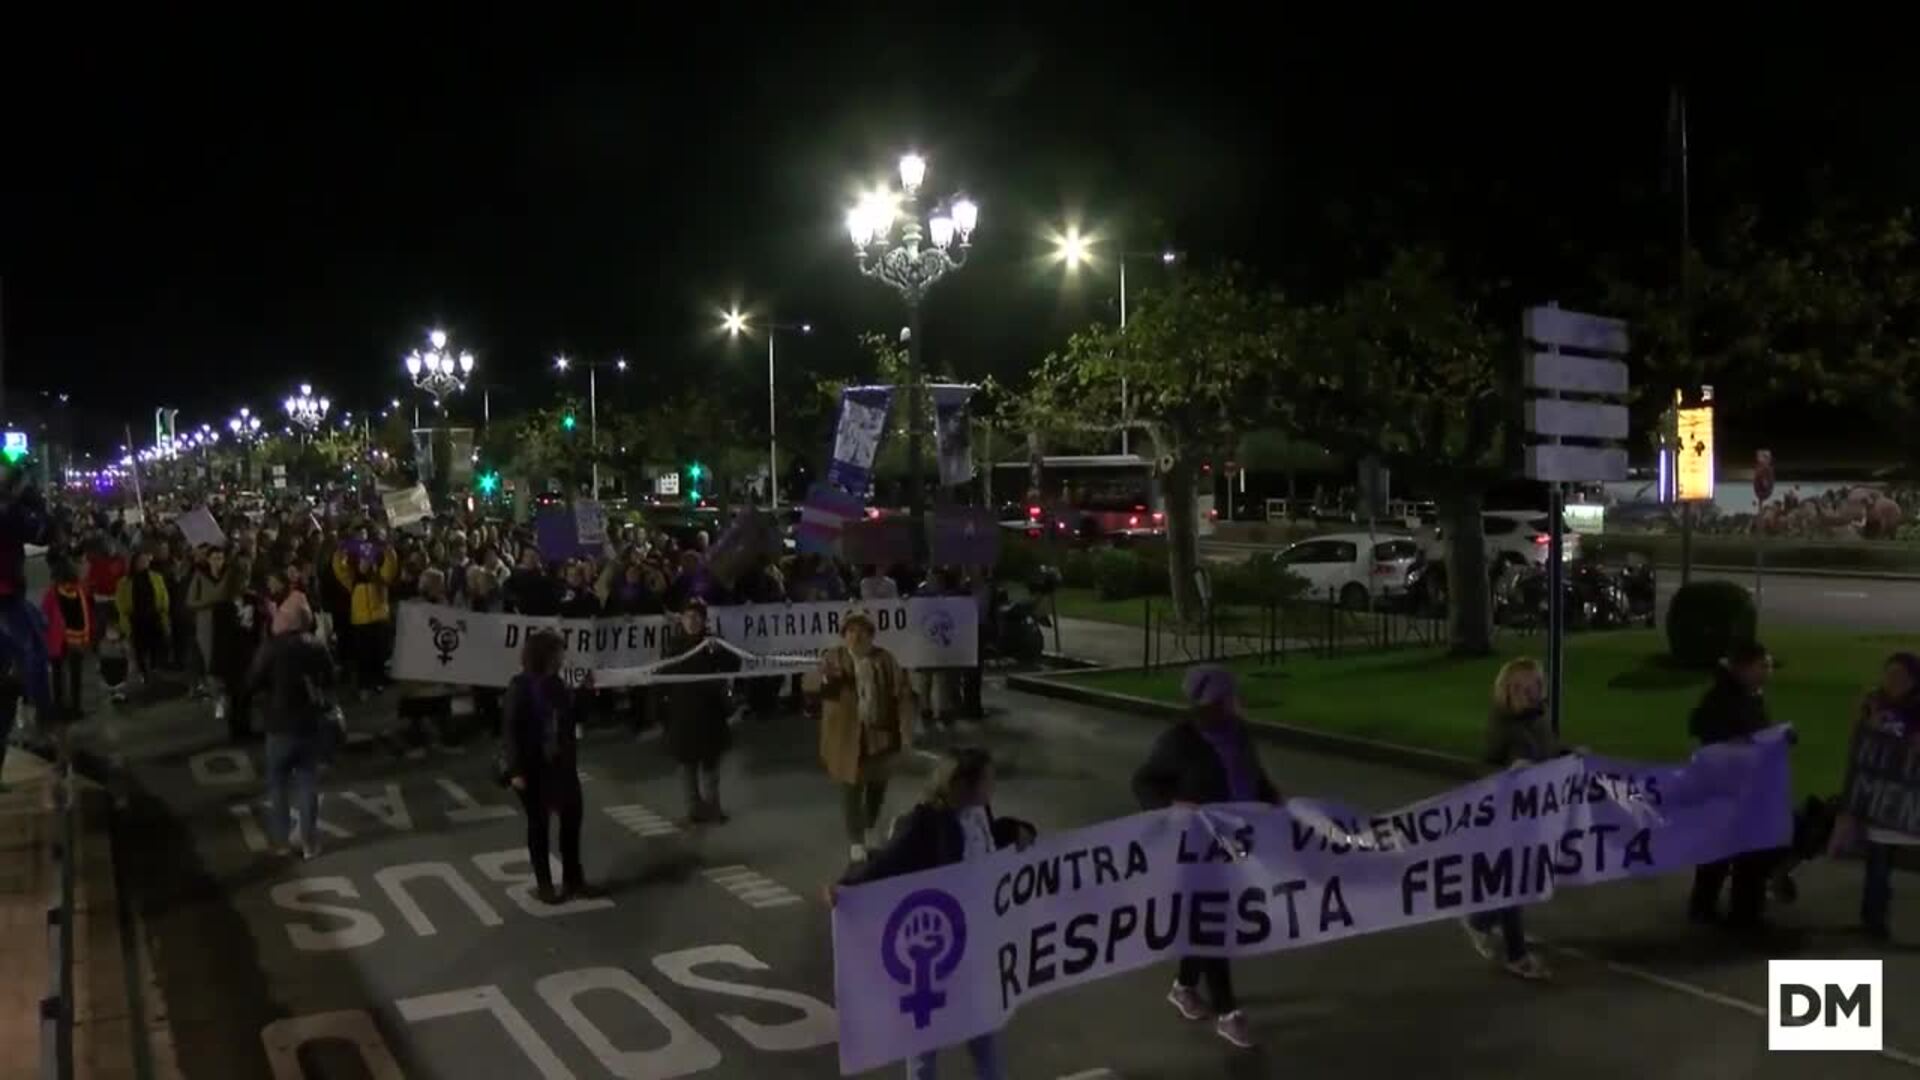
142, 604
367, 575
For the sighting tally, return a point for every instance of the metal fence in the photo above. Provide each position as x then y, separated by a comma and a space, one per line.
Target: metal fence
1271, 632
56, 1009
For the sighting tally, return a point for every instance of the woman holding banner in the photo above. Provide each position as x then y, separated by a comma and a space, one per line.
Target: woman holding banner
1733, 708
697, 710
954, 823
1518, 734
1893, 708
866, 721
1206, 757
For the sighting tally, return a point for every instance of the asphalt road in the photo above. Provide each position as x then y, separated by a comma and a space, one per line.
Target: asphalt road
1851, 603
403, 945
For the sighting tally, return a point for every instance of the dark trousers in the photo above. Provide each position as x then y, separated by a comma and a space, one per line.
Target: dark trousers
66, 684
702, 782
860, 807
555, 796
1876, 893
1507, 921
1749, 891
370, 655
1219, 979
149, 649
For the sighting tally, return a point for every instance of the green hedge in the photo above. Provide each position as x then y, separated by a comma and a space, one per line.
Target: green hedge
1707, 618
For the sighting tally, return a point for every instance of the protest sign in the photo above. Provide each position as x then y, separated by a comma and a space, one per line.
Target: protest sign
749, 540
442, 644
863, 423
822, 517
459, 457
407, 506
952, 432
930, 959
199, 528
556, 532
964, 536
590, 523
1883, 780
881, 542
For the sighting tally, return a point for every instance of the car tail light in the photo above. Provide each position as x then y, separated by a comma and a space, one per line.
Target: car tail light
1213, 515
1158, 517
1542, 539
873, 513
1033, 511
1133, 522
1384, 569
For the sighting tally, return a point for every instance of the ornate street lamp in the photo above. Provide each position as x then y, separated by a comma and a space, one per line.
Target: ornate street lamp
922, 257
307, 411
439, 370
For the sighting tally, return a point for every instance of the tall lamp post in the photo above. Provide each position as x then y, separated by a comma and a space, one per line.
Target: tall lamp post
1074, 249
566, 363
439, 370
307, 411
921, 257
736, 324
245, 428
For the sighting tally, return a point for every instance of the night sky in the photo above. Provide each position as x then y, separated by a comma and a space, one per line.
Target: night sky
202, 211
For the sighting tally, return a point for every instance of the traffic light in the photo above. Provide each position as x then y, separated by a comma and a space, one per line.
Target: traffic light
568, 423
489, 483
695, 471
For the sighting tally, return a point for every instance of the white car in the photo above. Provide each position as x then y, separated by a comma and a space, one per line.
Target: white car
1353, 567
1514, 536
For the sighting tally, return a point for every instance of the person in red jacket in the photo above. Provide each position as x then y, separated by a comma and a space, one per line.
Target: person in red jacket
69, 612
106, 565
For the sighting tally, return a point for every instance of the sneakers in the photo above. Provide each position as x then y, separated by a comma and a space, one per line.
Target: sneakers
1186, 1002
310, 850
857, 853
1233, 1028
1481, 940
1529, 967
548, 894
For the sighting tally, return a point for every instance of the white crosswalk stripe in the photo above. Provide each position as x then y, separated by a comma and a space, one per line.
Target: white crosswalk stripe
754, 889
641, 821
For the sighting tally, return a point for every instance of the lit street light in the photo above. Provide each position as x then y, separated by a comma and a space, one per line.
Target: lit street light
439, 370
923, 256
564, 364
1074, 249
735, 325
305, 410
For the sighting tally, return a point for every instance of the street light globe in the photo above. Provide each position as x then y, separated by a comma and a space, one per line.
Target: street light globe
941, 229
1073, 248
859, 226
734, 322
233, 425
289, 405
806, 328
1169, 257
560, 363
466, 363
620, 364
913, 169
413, 363
966, 214
439, 339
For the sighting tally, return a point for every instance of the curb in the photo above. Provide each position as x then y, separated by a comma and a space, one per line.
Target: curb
1801, 571
1413, 758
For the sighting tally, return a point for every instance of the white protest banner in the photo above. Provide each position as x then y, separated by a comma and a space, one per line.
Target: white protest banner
438, 643
406, 506
198, 526
590, 523
930, 959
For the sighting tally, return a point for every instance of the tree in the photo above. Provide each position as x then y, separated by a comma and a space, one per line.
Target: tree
1197, 357
1402, 366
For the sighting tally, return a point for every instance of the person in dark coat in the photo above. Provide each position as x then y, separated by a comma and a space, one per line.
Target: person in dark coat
1733, 708
1206, 758
696, 713
295, 672
954, 823
530, 590
541, 763
1518, 734
238, 635
577, 598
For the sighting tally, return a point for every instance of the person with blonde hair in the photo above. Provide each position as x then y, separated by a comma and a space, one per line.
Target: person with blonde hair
953, 823
1518, 734
866, 721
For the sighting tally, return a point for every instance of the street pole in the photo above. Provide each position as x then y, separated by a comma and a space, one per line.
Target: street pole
773, 441
593, 424
133, 449
1124, 444
916, 508
486, 407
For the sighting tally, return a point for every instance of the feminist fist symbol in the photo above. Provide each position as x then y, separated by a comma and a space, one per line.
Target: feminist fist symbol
930, 928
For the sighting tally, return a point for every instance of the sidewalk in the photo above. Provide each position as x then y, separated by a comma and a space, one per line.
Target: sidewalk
106, 1044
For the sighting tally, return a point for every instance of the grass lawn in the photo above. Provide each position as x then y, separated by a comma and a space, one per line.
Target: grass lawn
1621, 698
1300, 620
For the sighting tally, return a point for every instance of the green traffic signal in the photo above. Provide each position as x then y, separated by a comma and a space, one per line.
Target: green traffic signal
568, 423
489, 483
693, 495
694, 471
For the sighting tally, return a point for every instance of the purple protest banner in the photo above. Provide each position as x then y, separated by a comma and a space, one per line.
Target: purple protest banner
863, 423
930, 959
556, 532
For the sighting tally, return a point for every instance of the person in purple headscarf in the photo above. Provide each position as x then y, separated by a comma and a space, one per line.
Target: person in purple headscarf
1204, 758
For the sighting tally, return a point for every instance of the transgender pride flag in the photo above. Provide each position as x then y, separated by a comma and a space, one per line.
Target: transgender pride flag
826, 511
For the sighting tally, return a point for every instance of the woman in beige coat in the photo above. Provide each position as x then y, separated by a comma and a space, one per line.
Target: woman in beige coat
866, 720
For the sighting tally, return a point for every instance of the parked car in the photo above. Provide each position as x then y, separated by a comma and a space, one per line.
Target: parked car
1354, 568
1518, 537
